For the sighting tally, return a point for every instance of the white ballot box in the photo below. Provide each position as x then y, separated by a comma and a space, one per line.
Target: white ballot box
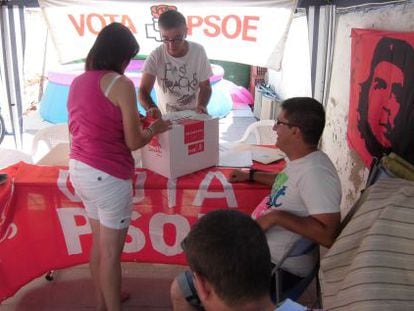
191, 145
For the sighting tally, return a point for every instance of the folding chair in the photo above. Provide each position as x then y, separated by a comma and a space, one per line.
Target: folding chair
11, 156
50, 136
302, 247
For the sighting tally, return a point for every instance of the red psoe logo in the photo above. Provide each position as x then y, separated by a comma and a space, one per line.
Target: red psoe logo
154, 146
157, 10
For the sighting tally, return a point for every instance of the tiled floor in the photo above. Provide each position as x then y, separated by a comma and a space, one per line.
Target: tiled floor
72, 289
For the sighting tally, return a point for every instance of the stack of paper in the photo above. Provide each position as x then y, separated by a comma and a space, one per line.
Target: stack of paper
231, 156
241, 155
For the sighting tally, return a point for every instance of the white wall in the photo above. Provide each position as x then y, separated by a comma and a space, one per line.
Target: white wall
351, 169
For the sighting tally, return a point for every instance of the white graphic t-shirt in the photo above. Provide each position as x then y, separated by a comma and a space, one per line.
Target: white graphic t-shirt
178, 78
307, 186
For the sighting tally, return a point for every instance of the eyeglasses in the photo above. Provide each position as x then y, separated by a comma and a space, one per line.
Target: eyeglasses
278, 122
176, 39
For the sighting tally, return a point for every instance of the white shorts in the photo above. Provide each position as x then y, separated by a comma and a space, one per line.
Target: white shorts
106, 198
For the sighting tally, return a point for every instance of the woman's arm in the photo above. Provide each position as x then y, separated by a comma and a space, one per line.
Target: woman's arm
123, 95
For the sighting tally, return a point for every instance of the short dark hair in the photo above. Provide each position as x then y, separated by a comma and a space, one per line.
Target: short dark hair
114, 46
307, 114
229, 249
171, 19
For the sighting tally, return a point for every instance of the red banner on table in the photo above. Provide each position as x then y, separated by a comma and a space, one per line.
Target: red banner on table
381, 112
43, 224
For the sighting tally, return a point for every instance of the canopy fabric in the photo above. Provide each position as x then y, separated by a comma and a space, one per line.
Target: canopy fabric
321, 24
249, 32
12, 41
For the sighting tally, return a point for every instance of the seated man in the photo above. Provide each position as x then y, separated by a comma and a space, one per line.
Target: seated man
305, 196
230, 265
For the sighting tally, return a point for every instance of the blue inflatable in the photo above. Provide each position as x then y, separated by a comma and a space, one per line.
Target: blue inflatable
53, 103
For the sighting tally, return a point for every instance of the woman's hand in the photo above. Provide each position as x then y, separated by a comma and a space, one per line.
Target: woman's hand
160, 126
154, 113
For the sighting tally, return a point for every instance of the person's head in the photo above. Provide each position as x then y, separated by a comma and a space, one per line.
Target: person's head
229, 256
386, 97
173, 28
302, 117
113, 49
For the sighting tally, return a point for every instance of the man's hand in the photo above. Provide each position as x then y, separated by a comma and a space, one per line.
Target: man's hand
238, 176
201, 109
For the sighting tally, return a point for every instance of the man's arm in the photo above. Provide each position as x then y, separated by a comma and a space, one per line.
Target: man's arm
265, 178
203, 96
321, 228
144, 95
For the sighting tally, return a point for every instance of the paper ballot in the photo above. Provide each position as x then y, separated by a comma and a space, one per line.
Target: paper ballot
241, 155
266, 155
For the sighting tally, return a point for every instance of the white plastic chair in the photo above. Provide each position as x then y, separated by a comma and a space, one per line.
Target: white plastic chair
262, 132
49, 136
11, 156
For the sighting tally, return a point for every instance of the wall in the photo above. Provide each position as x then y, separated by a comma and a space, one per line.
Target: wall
235, 72
352, 172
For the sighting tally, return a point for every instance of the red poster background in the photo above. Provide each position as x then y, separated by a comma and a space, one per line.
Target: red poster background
364, 42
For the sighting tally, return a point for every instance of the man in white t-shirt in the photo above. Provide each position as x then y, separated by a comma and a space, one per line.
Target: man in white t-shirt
305, 197
180, 68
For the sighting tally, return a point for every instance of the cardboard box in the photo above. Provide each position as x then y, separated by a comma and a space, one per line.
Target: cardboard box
190, 145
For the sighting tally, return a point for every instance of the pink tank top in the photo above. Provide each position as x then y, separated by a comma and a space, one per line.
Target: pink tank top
95, 125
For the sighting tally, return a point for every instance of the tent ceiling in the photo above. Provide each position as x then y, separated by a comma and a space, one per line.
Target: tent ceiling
302, 3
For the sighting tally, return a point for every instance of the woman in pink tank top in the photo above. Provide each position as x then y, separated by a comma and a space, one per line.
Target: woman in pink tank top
104, 126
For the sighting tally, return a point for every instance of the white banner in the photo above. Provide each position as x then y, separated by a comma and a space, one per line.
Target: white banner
249, 32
